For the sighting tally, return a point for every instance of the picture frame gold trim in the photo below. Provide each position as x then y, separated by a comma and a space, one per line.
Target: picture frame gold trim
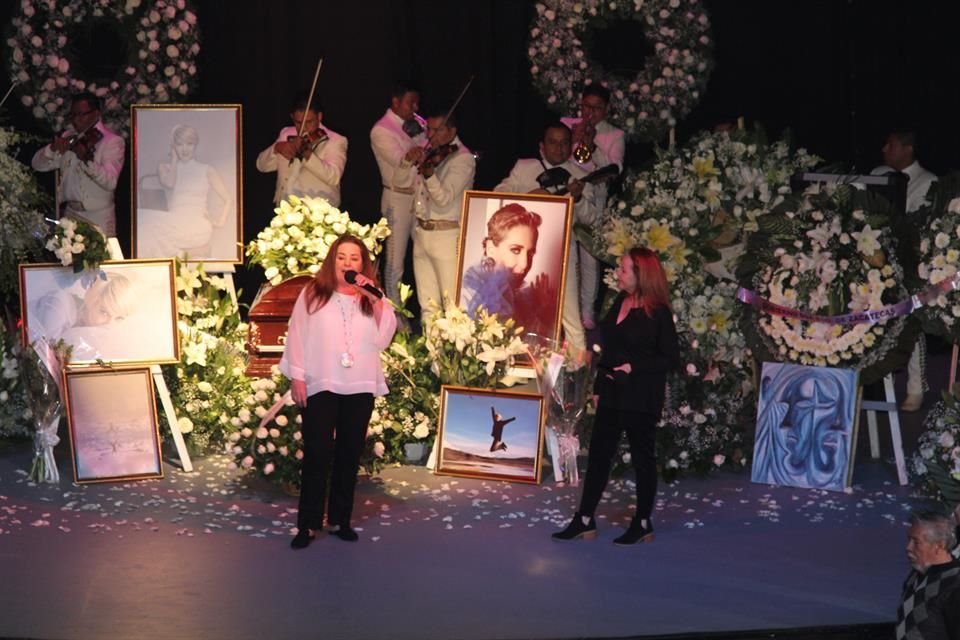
113, 453
462, 440
546, 260
167, 354
237, 166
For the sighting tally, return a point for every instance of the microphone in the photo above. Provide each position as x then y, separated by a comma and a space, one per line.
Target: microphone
351, 278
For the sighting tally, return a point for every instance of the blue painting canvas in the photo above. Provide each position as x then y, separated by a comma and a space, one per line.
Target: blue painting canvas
806, 426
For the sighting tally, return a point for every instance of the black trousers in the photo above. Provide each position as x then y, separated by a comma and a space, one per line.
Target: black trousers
641, 434
338, 458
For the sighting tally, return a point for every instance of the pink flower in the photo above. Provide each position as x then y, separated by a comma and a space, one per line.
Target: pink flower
247, 462
172, 51
268, 468
378, 449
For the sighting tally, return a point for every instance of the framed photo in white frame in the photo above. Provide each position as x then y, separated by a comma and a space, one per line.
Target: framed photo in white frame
187, 174
114, 431
125, 312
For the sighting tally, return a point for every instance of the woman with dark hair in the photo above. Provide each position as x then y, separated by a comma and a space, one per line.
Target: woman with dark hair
639, 349
332, 357
499, 284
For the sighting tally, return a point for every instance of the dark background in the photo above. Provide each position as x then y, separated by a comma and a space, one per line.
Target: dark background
837, 73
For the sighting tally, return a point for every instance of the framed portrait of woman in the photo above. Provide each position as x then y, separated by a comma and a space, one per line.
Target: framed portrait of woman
491, 434
513, 257
112, 416
125, 312
187, 174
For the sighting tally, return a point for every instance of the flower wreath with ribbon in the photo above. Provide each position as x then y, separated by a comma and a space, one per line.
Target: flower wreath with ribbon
830, 251
648, 102
163, 43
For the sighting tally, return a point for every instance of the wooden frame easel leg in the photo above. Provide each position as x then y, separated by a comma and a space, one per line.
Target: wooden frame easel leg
893, 416
168, 409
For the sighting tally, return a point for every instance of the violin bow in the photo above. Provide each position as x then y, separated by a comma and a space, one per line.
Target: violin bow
313, 88
452, 108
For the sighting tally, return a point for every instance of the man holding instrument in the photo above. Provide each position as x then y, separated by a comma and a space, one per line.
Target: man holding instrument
438, 173
308, 158
89, 158
596, 143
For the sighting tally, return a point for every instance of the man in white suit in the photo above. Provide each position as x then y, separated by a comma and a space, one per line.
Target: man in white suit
88, 172
308, 166
606, 144
391, 138
439, 177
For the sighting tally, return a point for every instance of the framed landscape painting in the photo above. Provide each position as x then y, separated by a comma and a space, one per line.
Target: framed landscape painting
490, 434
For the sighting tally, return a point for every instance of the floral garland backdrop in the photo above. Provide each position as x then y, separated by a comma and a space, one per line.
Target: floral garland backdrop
163, 38
827, 251
22, 225
300, 234
655, 97
16, 418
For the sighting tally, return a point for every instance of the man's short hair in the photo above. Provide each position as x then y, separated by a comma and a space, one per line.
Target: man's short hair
92, 100
402, 88
907, 136
939, 528
597, 90
555, 124
300, 103
451, 119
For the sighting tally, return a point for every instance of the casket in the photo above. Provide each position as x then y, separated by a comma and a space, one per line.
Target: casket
268, 319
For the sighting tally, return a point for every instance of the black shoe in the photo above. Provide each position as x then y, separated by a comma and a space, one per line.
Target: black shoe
636, 533
346, 533
302, 540
577, 529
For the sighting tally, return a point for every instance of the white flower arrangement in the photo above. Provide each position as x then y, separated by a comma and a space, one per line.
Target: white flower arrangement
937, 460
164, 43
471, 352
78, 244
819, 252
940, 256
646, 105
300, 235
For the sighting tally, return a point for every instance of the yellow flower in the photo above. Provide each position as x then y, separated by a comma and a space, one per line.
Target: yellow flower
659, 238
704, 168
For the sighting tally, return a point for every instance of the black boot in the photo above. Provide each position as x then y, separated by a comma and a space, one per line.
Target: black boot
577, 529
637, 532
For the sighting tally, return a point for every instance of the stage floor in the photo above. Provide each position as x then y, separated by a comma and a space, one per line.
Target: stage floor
206, 555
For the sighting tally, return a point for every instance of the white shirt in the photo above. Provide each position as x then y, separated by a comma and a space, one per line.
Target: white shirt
917, 186
523, 179
91, 184
317, 177
610, 143
316, 341
390, 144
439, 197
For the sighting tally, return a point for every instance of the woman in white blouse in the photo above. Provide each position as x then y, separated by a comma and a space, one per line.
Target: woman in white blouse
332, 357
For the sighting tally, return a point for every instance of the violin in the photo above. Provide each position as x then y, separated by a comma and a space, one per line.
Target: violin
435, 156
308, 142
84, 144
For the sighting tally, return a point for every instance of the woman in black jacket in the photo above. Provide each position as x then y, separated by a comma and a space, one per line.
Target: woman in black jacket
639, 349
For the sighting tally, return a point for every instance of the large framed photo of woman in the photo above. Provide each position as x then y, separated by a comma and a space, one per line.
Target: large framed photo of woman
112, 416
187, 193
490, 434
513, 257
123, 313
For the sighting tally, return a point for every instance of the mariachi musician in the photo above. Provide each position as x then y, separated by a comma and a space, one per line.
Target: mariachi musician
438, 174
88, 158
308, 158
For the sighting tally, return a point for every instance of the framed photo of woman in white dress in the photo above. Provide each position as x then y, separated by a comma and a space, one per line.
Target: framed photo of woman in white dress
187, 193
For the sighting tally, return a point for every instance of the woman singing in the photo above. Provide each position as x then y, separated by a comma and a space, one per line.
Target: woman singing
332, 357
639, 349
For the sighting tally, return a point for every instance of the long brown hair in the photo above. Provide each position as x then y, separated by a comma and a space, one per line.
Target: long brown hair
652, 290
324, 283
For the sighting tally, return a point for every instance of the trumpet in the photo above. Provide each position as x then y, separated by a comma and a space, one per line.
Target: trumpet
583, 153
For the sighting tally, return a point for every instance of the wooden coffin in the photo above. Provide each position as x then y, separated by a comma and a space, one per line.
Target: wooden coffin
268, 319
